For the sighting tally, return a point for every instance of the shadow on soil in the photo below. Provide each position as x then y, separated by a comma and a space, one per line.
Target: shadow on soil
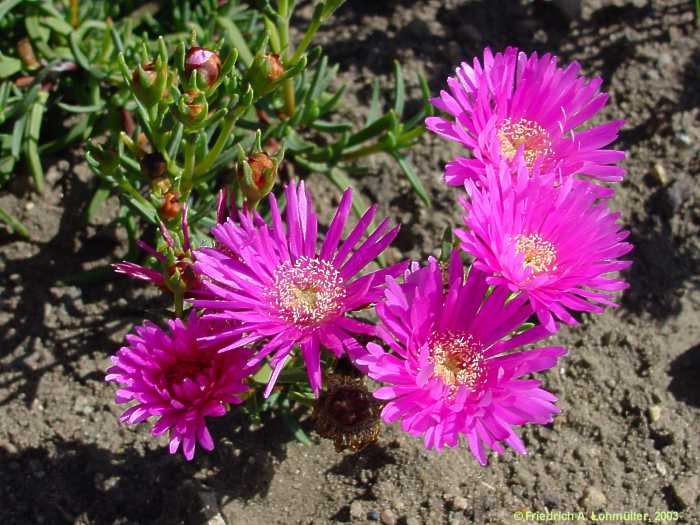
684, 372
33, 340
137, 487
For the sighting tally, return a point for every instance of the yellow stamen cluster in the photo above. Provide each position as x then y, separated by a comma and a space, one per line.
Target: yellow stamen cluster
540, 255
307, 291
533, 137
457, 359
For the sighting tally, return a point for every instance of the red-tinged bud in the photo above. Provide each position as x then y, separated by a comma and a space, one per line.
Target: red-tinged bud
183, 267
265, 72
206, 62
26, 54
150, 82
256, 176
153, 165
192, 110
262, 166
275, 69
170, 207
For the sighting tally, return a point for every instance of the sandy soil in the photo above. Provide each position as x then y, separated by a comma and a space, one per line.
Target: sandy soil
627, 439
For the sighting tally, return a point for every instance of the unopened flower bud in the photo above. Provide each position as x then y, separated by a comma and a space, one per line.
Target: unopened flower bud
26, 54
161, 186
150, 82
206, 62
275, 69
183, 271
170, 207
265, 71
192, 109
153, 165
257, 176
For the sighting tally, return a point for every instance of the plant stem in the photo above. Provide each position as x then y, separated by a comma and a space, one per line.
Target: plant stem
188, 171
215, 151
74, 20
304, 44
363, 152
285, 49
179, 297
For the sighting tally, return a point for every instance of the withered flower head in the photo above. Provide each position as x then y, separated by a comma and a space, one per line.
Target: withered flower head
346, 412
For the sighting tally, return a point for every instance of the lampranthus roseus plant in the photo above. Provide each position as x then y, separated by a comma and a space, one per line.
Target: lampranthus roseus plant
279, 304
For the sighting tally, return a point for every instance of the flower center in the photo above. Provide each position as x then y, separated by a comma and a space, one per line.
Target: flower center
540, 255
457, 359
533, 137
307, 291
182, 370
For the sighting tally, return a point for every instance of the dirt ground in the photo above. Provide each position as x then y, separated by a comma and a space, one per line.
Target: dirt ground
627, 438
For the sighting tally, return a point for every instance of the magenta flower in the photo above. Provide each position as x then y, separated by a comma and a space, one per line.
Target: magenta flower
177, 379
555, 243
519, 103
452, 371
287, 293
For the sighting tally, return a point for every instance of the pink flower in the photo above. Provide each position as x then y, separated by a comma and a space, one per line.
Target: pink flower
528, 104
177, 379
285, 292
451, 371
553, 242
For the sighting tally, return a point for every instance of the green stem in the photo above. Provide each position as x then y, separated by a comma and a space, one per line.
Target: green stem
290, 105
287, 84
179, 297
215, 151
188, 170
304, 44
363, 152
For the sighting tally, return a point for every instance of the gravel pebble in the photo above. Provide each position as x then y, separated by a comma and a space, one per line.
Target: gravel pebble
387, 517
593, 498
686, 489
460, 503
356, 510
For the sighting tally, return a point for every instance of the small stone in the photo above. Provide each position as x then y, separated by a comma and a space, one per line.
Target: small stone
387, 517
29, 206
659, 173
82, 406
373, 515
661, 468
356, 510
460, 503
412, 521
593, 498
664, 59
654, 413
685, 490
